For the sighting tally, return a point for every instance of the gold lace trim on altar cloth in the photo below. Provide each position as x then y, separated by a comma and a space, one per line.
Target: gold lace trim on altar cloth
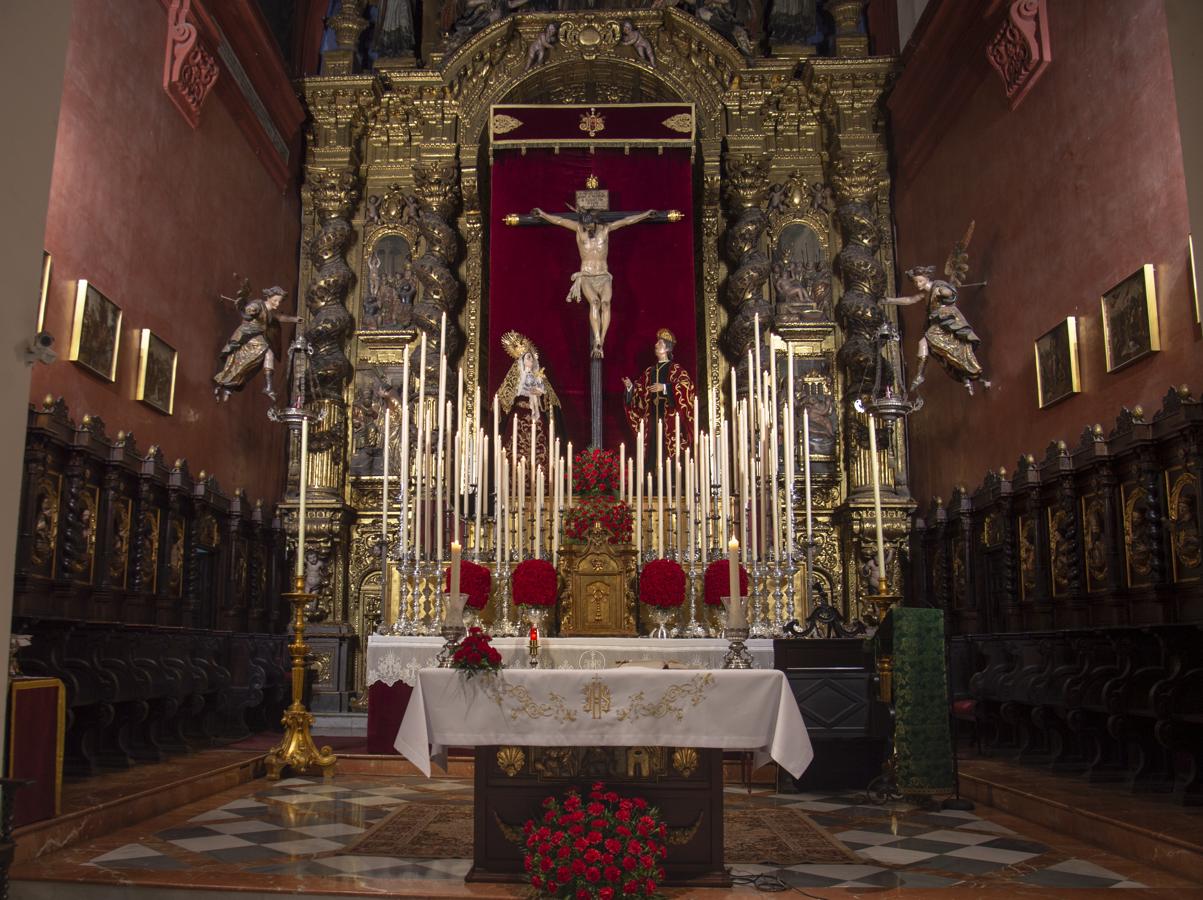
516, 701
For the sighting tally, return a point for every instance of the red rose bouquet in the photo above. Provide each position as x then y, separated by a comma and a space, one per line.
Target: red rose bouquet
614, 516
476, 653
604, 848
715, 585
535, 583
595, 472
474, 580
662, 584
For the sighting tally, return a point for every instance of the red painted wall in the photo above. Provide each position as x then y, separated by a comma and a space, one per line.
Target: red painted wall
1072, 192
159, 217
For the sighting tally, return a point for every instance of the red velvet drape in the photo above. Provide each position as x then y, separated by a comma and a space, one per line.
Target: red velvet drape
530, 270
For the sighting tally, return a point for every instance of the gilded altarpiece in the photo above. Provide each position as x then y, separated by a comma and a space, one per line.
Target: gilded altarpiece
792, 231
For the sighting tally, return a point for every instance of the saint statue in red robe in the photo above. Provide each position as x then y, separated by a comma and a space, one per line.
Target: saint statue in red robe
663, 392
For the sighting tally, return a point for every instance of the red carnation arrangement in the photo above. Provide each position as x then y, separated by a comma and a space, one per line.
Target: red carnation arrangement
474, 580
715, 585
476, 653
604, 849
662, 584
534, 583
595, 472
614, 516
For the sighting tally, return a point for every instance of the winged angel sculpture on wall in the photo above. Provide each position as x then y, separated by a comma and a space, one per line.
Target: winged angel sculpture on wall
948, 336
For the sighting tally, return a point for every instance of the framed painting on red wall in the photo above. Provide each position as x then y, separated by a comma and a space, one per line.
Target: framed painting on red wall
156, 372
1057, 374
1130, 319
96, 331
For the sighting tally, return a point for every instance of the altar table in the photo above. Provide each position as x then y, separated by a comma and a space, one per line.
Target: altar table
672, 723
393, 662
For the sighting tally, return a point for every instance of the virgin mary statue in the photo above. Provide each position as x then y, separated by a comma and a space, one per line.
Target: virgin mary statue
527, 400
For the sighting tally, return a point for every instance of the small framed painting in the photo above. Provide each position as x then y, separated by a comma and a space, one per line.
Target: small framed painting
96, 332
1130, 319
156, 372
1194, 277
1057, 363
47, 263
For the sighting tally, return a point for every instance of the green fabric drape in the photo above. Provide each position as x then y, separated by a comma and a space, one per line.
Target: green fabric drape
922, 749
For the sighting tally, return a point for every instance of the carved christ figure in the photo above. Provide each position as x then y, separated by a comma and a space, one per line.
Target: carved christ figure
593, 282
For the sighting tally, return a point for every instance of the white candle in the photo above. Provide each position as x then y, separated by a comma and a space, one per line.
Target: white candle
570, 474
302, 478
534, 455
790, 457
384, 601
422, 372
881, 544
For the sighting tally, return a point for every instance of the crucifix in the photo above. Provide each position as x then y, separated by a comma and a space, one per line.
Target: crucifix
592, 221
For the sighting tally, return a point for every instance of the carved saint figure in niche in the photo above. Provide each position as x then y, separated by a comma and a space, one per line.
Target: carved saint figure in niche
593, 282
536, 53
250, 346
525, 395
948, 333
463, 18
1184, 523
633, 37
45, 530
664, 393
391, 287
394, 34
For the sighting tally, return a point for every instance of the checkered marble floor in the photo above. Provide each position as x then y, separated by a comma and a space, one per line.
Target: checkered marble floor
904, 846
298, 826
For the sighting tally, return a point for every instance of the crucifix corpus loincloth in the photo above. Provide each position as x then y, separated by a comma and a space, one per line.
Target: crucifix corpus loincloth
592, 221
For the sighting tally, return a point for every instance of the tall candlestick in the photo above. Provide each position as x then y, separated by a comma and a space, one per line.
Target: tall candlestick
622, 470
302, 478
384, 601
881, 544
419, 467
659, 488
501, 515
637, 476
403, 523
455, 555
539, 514
806, 473
570, 474
650, 515
733, 576
520, 502
482, 489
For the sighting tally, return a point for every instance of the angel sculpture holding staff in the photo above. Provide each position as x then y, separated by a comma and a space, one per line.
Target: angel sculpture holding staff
250, 346
948, 336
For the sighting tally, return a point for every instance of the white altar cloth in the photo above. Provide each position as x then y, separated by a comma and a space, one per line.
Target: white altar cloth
391, 659
731, 709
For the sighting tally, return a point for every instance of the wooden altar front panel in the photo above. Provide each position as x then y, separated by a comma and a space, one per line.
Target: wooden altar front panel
686, 785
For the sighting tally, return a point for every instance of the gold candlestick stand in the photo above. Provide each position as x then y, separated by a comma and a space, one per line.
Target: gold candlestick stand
296, 749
